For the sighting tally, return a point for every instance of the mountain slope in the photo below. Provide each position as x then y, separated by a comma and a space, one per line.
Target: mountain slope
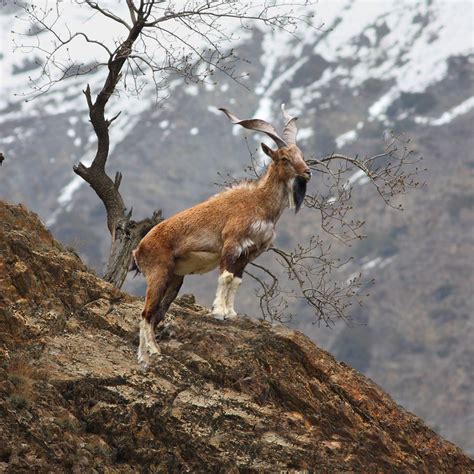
224, 395
373, 67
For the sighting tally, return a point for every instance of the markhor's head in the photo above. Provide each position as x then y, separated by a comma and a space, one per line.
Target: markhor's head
288, 158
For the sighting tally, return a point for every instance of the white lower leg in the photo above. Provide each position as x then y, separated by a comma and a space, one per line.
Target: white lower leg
219, 307
233, 287
148, 345
142, 353
152, 346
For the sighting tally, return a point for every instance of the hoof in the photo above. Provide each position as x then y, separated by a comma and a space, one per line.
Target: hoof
224, 317
146, 360
218, 312
144, 355
218, 316
143, 359
154, 350
231, 314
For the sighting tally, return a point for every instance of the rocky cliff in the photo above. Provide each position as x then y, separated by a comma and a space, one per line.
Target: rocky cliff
229, 396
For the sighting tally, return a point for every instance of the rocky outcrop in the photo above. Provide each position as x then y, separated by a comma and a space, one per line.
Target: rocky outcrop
230, 396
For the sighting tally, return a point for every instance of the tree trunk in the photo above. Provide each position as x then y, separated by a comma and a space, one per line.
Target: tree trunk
126, 233
126, 237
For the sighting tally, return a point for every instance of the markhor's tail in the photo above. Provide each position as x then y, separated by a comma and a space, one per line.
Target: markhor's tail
134, 266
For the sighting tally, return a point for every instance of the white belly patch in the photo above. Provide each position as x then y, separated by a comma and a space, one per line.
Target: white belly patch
196, 262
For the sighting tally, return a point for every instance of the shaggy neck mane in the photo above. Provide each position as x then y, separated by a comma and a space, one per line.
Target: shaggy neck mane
275, 191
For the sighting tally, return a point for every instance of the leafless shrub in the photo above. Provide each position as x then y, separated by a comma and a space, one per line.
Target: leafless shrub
310, 272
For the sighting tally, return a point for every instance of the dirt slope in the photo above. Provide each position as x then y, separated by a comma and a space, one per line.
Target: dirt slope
224, 396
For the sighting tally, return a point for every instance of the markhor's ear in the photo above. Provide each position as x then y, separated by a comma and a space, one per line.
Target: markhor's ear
268, 151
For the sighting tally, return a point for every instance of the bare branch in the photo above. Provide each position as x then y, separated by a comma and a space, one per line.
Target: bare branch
311, 272
133, 11
391, 172
107, 13
115, 117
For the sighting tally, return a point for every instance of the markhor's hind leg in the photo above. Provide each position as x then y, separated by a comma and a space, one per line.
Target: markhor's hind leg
172, 290
157, 286
147, 344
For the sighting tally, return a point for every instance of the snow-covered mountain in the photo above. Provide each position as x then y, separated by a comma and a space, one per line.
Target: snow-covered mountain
372, 67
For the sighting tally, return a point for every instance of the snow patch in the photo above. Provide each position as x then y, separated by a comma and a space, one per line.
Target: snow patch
411, 55
68, 191
304, 133
449, 115
214, 110
194, 131
378, 108
371, 264
359, 177
192, 90
385, 262
377, 262
345, 138
7, 140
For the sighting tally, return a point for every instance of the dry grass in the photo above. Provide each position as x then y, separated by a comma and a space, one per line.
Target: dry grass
23, 376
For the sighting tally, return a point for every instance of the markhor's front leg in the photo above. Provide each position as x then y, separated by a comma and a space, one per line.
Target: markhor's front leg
219, 306
233, 287
227, 286
232, 266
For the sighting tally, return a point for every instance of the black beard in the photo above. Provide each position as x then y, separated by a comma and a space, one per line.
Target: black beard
299, 192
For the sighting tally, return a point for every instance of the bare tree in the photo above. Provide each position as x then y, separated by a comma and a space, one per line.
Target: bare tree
192, 42
190, 39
